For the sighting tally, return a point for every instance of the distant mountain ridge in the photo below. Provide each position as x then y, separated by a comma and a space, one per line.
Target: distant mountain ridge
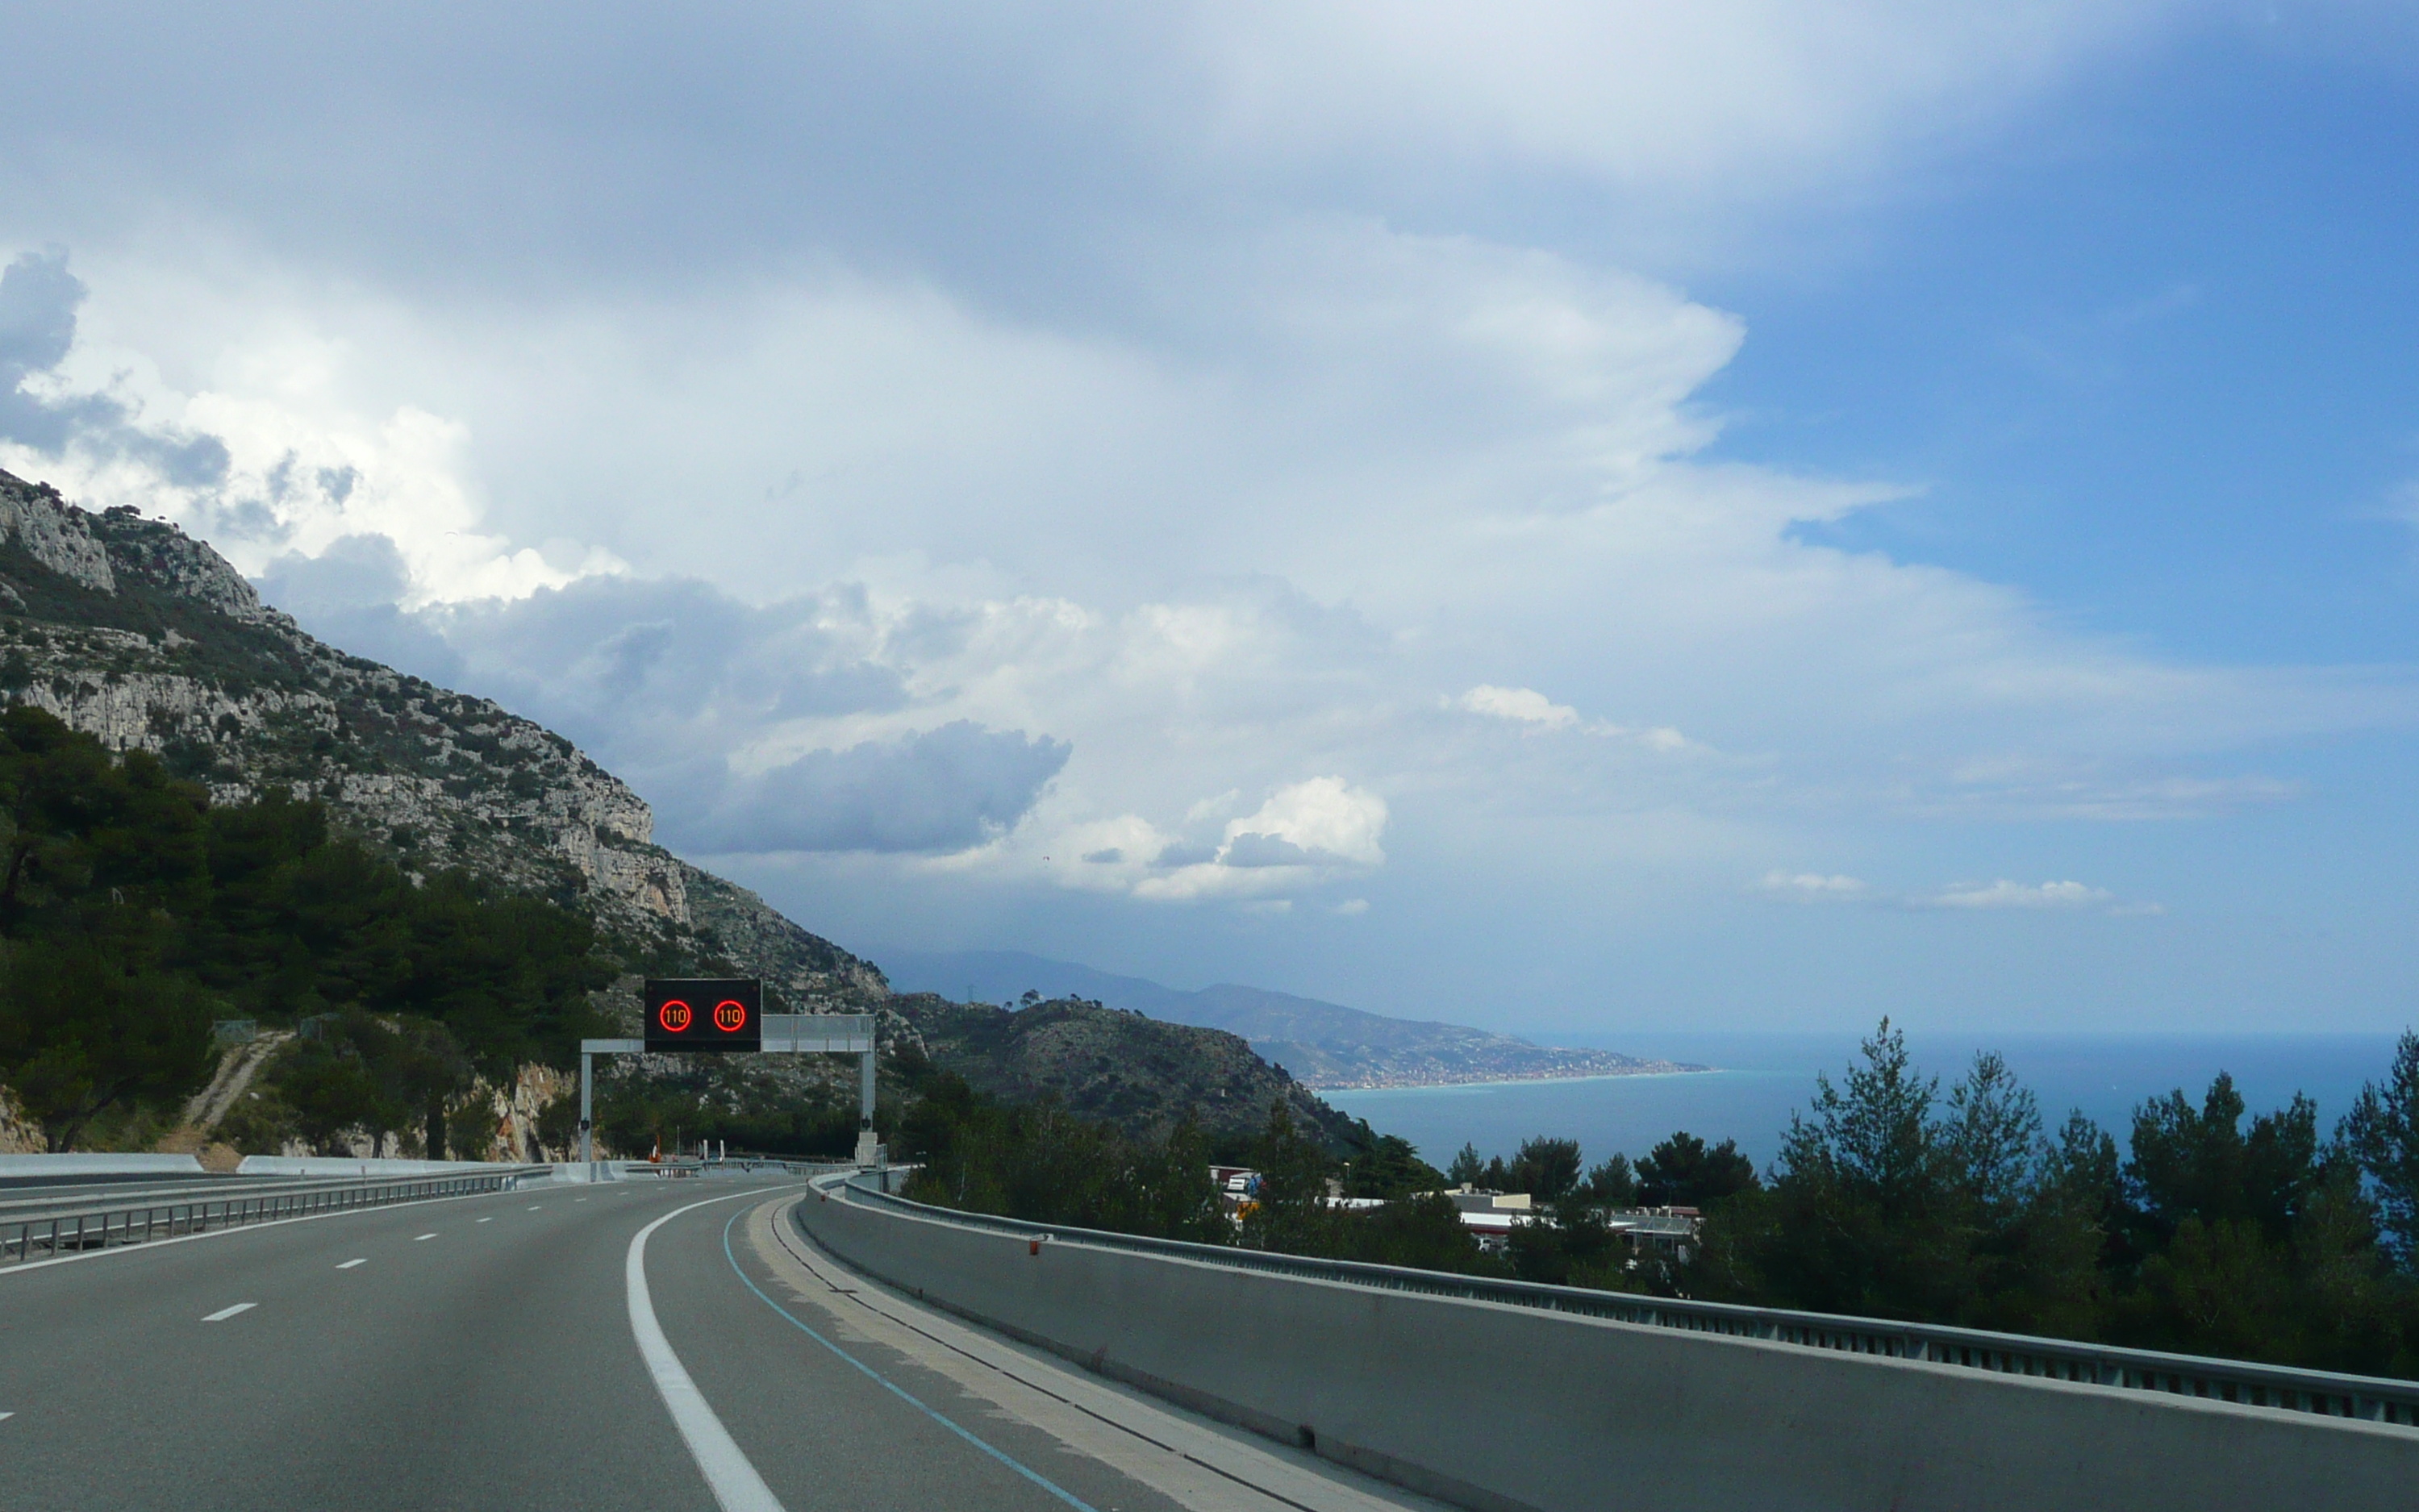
1143, 1074
1323, 1045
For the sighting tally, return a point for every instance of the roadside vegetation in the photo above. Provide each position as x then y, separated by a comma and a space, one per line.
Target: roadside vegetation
2211, 1231
134, 913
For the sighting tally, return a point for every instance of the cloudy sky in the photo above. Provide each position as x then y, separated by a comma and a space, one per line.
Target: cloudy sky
1572, 517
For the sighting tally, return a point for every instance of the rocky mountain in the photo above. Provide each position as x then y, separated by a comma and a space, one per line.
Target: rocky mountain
1323, 1045
129, 631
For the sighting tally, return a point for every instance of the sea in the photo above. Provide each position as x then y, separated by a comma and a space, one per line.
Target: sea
1758, 1080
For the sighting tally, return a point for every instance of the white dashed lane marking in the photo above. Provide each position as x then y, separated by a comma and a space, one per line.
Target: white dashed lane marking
5, 1416
534, 1206
350, 1263
424, 1236
489, 1219
225, 1313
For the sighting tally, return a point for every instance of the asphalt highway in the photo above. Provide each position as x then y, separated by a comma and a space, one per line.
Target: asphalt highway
659, 1345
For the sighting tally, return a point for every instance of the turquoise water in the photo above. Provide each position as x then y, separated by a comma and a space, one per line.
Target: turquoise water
1762, 1078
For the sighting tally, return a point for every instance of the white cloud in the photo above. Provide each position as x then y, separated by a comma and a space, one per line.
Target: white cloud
2060, 786
1193, 467
1443, 449
1522, 706
1537, 714
1061, 124
1305, 834
2066, 896
1723, 97
293, 470
1324, 821
2007, 895
1814, 887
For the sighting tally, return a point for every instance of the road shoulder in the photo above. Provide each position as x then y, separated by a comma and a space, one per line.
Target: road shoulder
1197, 1464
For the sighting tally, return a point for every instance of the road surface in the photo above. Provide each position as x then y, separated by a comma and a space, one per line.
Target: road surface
676, 1346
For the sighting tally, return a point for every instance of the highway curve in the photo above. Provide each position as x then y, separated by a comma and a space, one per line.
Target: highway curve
490, 1352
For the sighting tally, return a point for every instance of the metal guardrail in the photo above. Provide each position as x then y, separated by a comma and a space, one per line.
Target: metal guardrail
735, 1165
22, 1201
28, 1236
2366, 1398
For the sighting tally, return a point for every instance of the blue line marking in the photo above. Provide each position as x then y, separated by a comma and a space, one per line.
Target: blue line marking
887, 1385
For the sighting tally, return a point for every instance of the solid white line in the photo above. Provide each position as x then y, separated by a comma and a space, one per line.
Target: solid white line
422, 1236
350, 1263
735, 1485
225, 1313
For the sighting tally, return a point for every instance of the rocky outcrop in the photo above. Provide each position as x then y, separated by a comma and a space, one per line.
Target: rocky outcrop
36, 521
516, 1109
19, 1135
156, 553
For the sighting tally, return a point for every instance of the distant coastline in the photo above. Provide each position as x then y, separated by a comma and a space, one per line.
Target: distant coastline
1504, 1079
1325, 1047
1765, 1079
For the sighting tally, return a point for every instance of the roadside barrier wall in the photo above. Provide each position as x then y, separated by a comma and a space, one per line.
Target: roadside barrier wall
1499, 1408
325, 1165
71, 1168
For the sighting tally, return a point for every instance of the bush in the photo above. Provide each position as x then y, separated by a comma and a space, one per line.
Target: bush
1043, 1164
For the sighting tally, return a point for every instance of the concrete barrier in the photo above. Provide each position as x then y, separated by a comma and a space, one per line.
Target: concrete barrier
1501, 1408
346, 1165
71, 1167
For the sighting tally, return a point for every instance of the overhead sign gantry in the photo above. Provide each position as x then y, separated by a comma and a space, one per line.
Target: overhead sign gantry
723, 1016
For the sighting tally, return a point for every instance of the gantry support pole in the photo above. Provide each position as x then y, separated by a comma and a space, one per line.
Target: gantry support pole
865, 1145
587, 1075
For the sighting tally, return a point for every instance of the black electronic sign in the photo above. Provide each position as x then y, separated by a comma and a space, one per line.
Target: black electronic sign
686, 1014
